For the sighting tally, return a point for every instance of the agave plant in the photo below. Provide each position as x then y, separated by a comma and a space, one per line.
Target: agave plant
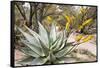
44, 47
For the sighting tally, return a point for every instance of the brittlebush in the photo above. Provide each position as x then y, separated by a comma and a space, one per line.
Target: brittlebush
78, 38
89, 37
85, 23
68, 23
82, 38
49, 19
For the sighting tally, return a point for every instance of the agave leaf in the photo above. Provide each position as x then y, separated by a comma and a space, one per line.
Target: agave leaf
26, 60
37, 50
30, 38
64, 41
59, 43
29, 52
53, 33
33, 33
63, 44
54, 44
44, 35
60, 33
39, 61
52, 57
44, 48
39, 39
64, 51
65, 34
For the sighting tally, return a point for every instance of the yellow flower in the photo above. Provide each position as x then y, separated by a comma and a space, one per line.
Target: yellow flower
78, 38
87, 38
87, 22
67, 26
49, 18
68, 23
68, 19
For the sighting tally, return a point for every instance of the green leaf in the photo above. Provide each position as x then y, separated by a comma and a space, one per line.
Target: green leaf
39, 61
33, 33
54, 44
37, 50
53, 33
29, 52
60, 42
44, 48
43, 34
38, 38
30, 38
26, 60
64, 51
52, 57
63, 44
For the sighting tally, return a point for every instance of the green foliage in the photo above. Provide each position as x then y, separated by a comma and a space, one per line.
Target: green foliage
45, 47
